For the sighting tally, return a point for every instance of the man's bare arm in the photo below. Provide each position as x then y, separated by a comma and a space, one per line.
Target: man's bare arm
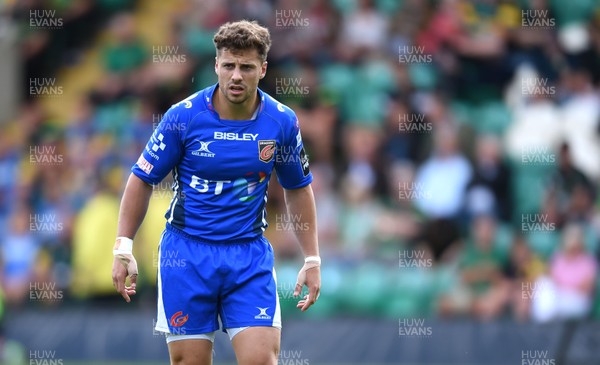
134, 206
301, 203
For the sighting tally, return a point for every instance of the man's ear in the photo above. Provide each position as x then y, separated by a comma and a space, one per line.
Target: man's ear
263, 69
216, 65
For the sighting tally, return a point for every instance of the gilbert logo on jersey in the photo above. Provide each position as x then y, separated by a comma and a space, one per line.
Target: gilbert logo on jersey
266, 150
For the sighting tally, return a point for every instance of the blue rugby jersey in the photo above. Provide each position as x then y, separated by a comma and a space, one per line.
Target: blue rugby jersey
221, 168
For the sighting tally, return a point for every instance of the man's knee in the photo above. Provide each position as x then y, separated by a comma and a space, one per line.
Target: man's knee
191, 352
262, 357
257, 346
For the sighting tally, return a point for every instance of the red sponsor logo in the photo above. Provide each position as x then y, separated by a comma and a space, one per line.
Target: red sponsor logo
178, 319
144, 165
266, 150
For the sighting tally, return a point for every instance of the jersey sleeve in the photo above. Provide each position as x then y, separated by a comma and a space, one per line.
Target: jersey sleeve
291, 160
164, 149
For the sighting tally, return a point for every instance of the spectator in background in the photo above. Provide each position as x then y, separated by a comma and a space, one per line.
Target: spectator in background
358, 214
9, 167
322, 32
441, 199
78, 135
488, 191
94, 224
318, 130
328, 209
363, 31
307, 29
19, 248
568, 291
485, 289
397, 224
523, 269
126, 53
532, 108
530, 45
571, 192
581, 119
447, 194
359, 208
406, 132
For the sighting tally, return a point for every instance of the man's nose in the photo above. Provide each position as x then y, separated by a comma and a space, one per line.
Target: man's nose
236, 75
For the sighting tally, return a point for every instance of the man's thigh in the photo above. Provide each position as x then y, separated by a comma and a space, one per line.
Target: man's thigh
188, 286
191, 351
249, 295
257, 346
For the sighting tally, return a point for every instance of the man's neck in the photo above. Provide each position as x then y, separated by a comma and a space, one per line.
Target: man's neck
230, 111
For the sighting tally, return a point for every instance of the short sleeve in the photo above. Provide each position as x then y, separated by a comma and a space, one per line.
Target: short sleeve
164, 149
291, 160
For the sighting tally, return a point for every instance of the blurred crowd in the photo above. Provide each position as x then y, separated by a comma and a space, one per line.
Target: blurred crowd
455, 147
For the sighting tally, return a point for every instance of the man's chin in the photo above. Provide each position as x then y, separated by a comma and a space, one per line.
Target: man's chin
237, 99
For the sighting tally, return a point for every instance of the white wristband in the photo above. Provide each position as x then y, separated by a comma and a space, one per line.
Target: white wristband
315, 259
123, 245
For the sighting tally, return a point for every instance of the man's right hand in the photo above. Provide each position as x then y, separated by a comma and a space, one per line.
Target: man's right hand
124, 265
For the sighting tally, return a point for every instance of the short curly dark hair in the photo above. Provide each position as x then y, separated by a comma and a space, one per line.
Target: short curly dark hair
242, 35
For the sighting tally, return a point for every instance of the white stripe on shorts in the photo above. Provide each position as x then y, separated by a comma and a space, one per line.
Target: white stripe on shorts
277, 315
161, 321
204, 336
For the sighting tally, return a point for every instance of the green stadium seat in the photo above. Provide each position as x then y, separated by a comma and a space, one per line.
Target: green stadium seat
376, 76
205, 76
199, 42
462, 112
423, 76
544, 243
573, 11
491, 117
336, 79
411, 293
504, 239
345, 6
389, 6
529, 185
367, 285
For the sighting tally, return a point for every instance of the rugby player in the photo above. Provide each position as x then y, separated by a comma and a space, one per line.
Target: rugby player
221, 145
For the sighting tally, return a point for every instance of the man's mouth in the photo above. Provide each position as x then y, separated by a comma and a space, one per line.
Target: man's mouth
236, 89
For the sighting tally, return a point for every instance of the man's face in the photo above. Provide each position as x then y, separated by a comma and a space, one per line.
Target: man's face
239, 72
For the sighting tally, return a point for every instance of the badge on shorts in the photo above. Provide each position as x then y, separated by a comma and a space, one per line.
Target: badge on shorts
266, 150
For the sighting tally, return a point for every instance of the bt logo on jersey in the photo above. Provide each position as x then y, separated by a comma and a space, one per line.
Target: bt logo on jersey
231, 136
203, 185
244, 188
